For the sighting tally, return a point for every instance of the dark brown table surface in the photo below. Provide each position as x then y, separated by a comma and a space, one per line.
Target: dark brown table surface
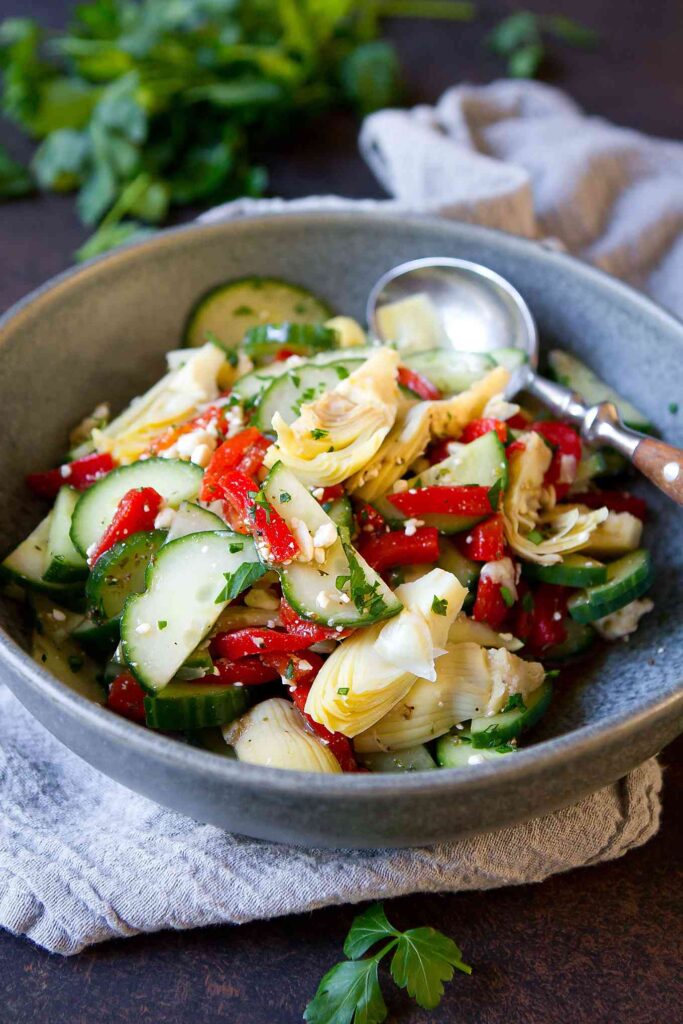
598, 945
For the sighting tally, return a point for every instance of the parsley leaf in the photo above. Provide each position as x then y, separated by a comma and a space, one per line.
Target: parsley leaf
423, 960
285, 497
349, 992
535, 536
239, 580
439, 605
508, 596
365, 596
528, 602
494, 494
515, 702
317, 434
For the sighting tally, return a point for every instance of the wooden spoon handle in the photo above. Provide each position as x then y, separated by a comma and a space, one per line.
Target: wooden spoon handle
663, 465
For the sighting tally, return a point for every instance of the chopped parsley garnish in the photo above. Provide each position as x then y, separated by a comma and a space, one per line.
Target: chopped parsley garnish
343, 690
289, 671
285, 497
295, 378
507, 595
535, 536
162, 624
439, 605
341, 372
341, 582
235, 546
552, 674
317, 434
494, 494
528, 602
422, 960
243, 311
365, 596
260, 500
515, 702
239, 580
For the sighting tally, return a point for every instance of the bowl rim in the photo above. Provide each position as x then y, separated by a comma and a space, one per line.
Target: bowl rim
566, 751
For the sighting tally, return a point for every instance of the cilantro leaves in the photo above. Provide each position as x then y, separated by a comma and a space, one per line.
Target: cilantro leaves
423, 959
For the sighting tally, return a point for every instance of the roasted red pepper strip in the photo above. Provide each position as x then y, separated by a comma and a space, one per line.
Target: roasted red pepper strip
310, 632
80, 474
232, 454
213, 414
331, 494
254, 640
484, 542
276, 541
248, 672
615, 501
438, 452
127, 698
418, 384
299, 672
457, 501
520, 421
369, 520
489, 605
136, 511
283, 354
566, 445
541, 623
477, 428
386, 550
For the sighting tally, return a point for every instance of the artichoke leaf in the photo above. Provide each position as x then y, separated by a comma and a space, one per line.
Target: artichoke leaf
274, 734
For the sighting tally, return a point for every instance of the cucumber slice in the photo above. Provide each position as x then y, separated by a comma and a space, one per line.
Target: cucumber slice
303, 583
191, 518
53, 647
26, 565
482, 462
303, 384
120, 572
340, 512
592, 464
253, 384
188, 586
196, 666
99, 640
580, 637
496, 730
574, 374
572, 571
450, 371
412, 759
455, 751
464, 569
627, 578
231, 309
64, 563
175, 481
181, 706
510, 358
266, 340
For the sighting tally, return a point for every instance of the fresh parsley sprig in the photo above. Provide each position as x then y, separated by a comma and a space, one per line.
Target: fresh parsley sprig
422, 960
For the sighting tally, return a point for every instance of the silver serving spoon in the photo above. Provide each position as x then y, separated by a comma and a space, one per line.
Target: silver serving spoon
480, 311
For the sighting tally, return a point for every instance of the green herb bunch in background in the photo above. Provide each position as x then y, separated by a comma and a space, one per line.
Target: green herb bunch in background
142, 105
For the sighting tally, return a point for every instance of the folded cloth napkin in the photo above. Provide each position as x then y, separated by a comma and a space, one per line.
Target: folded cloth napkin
81, 858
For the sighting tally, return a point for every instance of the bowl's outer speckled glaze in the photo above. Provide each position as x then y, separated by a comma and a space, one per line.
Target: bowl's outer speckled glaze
100, 333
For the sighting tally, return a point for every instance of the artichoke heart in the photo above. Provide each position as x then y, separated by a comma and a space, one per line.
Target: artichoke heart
342, 429
563, 529
420, 424
470, 681
369, 673
177, 397
275, 734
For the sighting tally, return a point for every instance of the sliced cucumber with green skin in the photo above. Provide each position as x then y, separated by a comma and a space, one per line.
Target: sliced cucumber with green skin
572, 571
229, 310
412, 759
174, 480
482, 462
266, 340
592, 464
196, 666
464, 569
210, 739
301, 385
340, 512
53, 647
496, 730
99, 640
191, 518
253, 384
186, 585
455, 750
510, 358
574, 374
303, 583
64, 563
27, 563
450, 371
580, 637
120, 572
627, 579
181, 706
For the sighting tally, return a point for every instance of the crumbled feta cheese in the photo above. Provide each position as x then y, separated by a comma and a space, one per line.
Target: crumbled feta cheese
557, 616
475, 759
621, 624
319, 555
498, 408
143, 628
186, 443
567, 473
325, 535
201, 456
234, 418
323, 599
502, 572
303, 538
304, 665
318, 493
400, 486
65, 471
411, 526
58, 615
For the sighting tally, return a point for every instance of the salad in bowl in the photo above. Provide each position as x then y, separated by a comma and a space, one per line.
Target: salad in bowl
309, 550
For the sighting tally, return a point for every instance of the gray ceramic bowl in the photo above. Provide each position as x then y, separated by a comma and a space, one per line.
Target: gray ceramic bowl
101, 331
